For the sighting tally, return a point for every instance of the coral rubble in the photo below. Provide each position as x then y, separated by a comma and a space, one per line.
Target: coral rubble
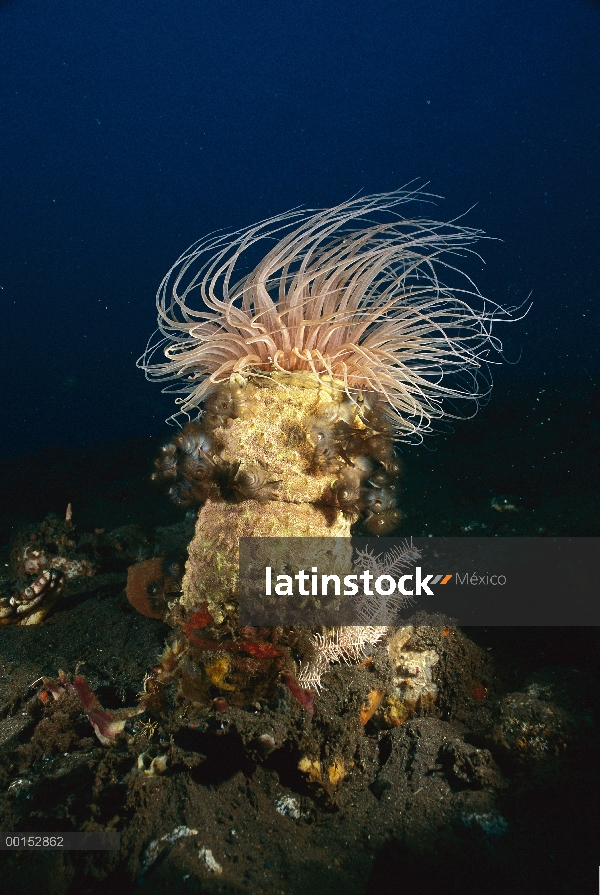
42, 558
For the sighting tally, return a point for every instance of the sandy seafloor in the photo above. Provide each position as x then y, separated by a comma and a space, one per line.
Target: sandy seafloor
494, 789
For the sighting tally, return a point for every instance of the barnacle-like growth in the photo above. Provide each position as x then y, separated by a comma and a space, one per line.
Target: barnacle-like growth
354, 294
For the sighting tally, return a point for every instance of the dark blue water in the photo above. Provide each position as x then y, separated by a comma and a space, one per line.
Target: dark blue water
128, 130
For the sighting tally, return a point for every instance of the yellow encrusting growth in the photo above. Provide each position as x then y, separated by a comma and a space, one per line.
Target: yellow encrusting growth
272, 434
218, 671
275, 437
330, 777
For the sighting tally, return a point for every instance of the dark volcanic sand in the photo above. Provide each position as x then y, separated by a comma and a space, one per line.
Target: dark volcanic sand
435, 802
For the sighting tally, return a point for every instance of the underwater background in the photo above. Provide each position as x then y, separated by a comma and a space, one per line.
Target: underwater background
128, 131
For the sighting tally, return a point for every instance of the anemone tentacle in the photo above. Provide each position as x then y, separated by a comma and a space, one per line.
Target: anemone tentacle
352, 293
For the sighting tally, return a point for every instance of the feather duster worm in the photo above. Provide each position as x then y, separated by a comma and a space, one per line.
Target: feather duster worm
296, 378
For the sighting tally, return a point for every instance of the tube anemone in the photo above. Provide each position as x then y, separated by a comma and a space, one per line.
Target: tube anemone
352, 295
300, 369
303, 367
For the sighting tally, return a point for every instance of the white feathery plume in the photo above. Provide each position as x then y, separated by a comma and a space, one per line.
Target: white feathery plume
348, 644
352, 644
382, 609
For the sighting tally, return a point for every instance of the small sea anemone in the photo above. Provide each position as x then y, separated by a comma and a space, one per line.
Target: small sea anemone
350, 294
